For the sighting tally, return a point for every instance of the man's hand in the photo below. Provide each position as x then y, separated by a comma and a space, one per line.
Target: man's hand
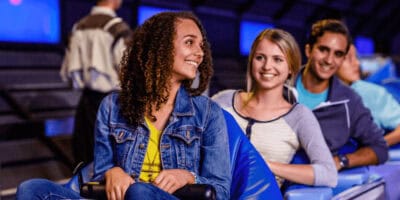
171, 180
117, 182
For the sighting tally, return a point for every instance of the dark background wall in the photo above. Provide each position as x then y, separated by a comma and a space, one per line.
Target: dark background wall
375, 19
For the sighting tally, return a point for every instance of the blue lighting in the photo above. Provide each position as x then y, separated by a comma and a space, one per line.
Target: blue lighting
248, 32
30, 21
62, 126
364, 45
145, 12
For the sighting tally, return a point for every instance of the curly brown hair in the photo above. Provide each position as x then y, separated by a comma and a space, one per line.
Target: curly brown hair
146, 67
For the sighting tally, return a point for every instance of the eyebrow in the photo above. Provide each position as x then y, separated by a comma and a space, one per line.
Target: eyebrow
190, 35
326, 47
274, 55
193, 36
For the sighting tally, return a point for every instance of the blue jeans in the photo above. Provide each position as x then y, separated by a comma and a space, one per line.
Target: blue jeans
147, 191
42, 189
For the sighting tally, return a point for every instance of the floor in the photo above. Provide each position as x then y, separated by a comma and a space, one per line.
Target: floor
28, 158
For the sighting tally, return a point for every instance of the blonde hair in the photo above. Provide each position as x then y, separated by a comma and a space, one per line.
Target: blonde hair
288, 46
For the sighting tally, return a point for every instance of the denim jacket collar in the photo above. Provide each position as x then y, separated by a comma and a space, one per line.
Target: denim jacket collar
183, 103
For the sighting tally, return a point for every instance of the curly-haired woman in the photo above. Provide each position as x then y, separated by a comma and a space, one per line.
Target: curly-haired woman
158, 134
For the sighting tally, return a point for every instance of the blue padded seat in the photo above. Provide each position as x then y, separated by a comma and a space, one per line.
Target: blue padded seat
351, 177
373, 189
73, 184
351, 182
393, 87
87, 174
294, 191
390, 172
309, 193
394, 153
251, 177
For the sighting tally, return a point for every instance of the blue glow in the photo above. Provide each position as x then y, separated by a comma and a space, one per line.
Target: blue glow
145, 12
30, 21
54, 127
364, 45
248, 32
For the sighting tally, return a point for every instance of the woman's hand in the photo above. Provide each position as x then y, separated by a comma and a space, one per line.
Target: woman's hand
171, 180
117, 182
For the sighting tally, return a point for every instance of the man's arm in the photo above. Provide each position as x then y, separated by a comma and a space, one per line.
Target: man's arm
373, 147
393, 137
363, 156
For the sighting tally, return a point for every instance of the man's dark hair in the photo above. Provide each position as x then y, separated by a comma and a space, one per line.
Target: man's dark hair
328, 25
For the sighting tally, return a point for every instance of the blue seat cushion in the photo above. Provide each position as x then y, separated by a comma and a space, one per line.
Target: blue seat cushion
351, 177
394, 153
309, 193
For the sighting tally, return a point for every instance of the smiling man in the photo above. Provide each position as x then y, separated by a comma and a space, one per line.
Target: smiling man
340, 111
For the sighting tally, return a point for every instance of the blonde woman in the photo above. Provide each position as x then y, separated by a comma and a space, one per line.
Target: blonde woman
277, 125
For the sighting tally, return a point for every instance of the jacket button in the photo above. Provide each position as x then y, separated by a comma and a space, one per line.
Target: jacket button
141, 146
187, 134
120, 134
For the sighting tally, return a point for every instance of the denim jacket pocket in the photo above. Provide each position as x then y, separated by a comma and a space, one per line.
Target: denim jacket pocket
124, 140
186, 141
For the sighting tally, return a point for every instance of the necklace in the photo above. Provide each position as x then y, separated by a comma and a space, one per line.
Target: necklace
151, 164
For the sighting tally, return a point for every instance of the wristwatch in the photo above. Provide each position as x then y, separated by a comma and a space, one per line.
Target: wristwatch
343, 161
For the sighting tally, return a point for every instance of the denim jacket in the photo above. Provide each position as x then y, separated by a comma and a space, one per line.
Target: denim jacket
195, 139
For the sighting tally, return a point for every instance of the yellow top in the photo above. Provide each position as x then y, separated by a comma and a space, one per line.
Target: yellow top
152, 161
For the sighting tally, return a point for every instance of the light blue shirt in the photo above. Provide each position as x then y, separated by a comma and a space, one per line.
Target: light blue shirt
384, 108
311, 100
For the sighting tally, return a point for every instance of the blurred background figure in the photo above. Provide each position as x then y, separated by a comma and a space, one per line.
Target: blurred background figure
384, 107
91, 61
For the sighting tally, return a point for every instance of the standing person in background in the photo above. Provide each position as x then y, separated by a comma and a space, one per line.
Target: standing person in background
157, 134
341, 114
384, 108
276, 125
91, 62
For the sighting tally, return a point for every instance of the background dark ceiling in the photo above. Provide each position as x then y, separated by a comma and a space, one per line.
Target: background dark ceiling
378, 19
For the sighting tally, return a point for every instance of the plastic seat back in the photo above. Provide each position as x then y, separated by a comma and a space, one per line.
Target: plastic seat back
251, 177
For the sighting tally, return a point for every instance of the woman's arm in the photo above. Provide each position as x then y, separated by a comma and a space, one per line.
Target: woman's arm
117, 181
314, 145
103, 152
297, 173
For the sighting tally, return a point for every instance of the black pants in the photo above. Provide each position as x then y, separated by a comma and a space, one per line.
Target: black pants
85, 118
